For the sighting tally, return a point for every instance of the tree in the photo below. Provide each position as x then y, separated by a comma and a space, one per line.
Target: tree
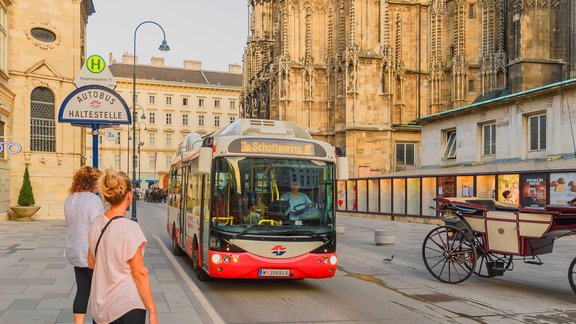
26, 196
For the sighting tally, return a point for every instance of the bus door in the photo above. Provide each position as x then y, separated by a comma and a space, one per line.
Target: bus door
205, 219
183, 207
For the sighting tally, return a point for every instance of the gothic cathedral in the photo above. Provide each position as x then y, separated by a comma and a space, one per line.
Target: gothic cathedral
357, 73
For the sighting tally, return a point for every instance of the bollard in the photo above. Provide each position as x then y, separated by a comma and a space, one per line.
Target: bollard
384, 237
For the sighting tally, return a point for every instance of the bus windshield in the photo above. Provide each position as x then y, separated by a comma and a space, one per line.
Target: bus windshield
269, 195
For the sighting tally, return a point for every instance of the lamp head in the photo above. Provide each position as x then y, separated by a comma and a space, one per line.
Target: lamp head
164, 46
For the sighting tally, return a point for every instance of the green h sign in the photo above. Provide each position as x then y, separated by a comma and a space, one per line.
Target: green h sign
95, 64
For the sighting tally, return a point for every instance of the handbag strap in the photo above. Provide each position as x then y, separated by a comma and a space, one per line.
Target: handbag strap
102, 233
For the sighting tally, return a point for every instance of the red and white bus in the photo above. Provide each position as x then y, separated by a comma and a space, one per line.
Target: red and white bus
229, 206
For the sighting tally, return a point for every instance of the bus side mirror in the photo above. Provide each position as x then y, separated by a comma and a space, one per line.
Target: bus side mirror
205, 160
342, 168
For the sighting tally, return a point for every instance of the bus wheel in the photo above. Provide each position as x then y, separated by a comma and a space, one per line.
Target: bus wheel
176, 250
200, 273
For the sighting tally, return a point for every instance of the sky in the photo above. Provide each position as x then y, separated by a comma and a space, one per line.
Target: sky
211, 31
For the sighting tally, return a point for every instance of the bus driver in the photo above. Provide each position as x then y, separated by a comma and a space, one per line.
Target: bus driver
295, 197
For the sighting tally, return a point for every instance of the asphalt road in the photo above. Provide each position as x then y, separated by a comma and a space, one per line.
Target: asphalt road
369, 289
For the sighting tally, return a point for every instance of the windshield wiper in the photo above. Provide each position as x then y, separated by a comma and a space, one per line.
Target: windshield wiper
312, 234
244, 231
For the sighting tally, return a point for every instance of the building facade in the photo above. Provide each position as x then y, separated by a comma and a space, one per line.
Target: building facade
42, 48
356, 73
171, 103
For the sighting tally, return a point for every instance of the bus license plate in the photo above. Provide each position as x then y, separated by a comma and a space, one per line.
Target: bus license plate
273, 273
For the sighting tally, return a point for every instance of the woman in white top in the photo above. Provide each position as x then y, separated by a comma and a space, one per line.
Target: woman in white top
121, 287
81, 208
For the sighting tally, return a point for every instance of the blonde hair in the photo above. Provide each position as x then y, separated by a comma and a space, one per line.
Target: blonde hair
114, 185
85, 179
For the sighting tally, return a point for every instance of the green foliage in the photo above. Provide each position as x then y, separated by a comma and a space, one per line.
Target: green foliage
26, 196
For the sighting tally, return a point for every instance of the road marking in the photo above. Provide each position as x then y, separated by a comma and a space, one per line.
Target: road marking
214, 316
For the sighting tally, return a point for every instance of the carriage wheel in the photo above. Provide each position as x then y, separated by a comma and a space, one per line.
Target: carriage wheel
572, 274
448, 254
483, 256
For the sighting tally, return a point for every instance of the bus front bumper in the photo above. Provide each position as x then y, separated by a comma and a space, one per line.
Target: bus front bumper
249, 266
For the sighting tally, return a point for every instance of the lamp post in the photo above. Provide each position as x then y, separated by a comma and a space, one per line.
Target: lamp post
140, 144
163, 47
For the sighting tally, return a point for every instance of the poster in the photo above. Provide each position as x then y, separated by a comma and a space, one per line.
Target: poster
446, 187
534, 190
511, 183
562, 188
341, 195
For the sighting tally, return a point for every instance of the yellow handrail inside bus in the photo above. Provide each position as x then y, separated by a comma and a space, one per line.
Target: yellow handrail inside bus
228, 220
270, 221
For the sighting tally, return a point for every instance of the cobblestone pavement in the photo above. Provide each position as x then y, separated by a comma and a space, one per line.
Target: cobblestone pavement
37, 284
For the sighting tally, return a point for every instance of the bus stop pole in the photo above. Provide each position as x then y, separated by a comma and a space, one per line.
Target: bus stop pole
95, 135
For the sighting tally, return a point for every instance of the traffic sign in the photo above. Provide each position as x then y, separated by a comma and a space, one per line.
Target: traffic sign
94, 104
95, 72
110, 135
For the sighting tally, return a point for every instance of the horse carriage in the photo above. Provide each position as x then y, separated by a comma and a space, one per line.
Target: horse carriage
484, 237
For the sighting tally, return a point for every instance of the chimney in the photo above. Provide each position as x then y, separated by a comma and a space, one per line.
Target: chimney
157, 61
110, 58
235, 68
129, 59
192, 65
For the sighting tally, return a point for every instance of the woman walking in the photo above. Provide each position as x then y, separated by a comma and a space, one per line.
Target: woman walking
81, 208
121, 288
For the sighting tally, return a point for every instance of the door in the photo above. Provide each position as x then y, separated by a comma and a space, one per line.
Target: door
205, 217
182, 207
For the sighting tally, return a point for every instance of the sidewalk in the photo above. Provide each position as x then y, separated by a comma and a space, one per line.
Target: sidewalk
37, 284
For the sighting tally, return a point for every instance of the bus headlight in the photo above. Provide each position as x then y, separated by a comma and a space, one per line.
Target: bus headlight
333, 260
216, 258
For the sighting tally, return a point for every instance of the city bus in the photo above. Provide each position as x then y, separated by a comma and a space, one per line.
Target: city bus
229, 205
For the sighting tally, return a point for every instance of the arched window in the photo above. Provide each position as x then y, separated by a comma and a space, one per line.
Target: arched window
42, 124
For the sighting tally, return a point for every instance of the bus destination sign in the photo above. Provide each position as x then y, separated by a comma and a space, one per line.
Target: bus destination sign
270, 146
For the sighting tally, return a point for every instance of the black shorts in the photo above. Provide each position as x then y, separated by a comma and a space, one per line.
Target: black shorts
135, 316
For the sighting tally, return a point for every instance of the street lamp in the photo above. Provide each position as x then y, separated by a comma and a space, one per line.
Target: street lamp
163, 47
134, 117
140, 144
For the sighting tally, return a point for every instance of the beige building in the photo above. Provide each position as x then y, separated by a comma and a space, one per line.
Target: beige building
174, 103
356, 73
42, 48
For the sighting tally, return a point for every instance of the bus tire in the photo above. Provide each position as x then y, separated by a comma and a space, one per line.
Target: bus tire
200, 273
176, 250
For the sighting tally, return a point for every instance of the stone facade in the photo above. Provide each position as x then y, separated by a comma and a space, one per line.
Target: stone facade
511, 133
175, 102
356, 73
44, 51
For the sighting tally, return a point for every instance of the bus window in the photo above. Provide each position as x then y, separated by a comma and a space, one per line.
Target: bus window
256, 191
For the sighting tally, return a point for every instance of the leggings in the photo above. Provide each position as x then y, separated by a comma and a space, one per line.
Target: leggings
135, 316
83, 282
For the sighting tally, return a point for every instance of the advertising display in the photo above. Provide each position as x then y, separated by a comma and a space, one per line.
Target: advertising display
511, 183
446, 187
341, 202
562, 188
533, 190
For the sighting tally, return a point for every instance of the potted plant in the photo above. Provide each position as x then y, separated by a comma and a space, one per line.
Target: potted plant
25, 208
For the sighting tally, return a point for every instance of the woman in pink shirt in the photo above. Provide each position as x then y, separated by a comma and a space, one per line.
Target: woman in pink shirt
120, 285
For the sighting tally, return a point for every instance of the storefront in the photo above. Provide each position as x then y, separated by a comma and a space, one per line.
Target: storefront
529, 184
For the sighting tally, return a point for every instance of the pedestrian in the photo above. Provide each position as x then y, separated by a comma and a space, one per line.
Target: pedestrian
81, 208
121, 287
